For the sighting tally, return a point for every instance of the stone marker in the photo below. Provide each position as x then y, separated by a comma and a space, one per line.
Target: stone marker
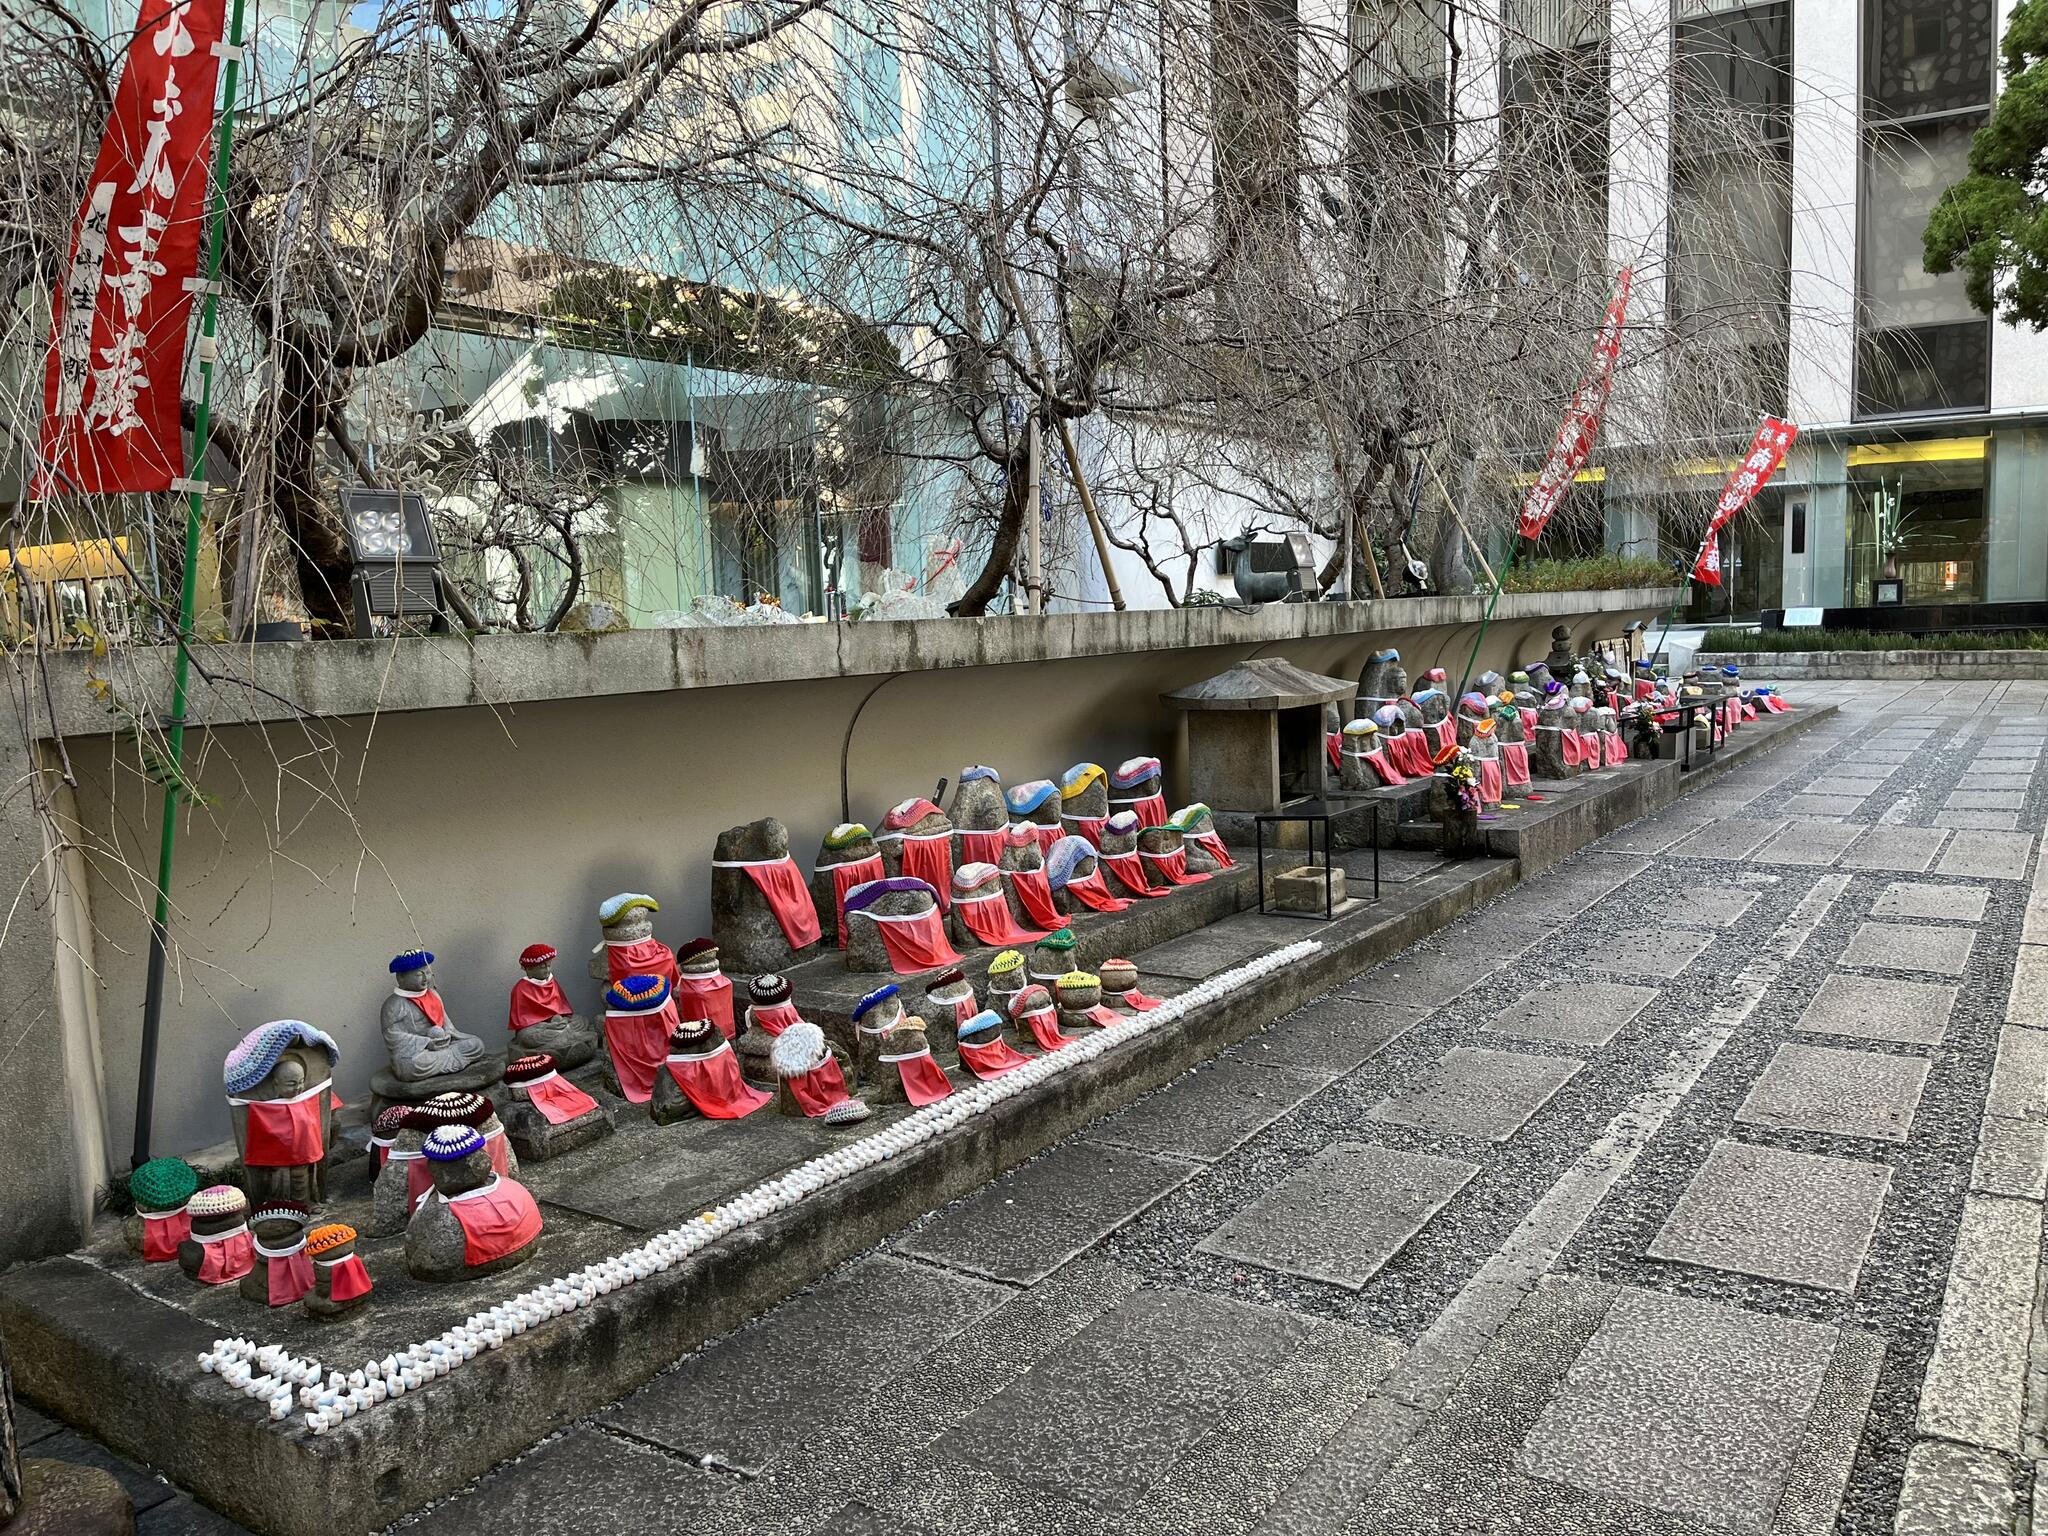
340, 1282
847, 857
545, 1114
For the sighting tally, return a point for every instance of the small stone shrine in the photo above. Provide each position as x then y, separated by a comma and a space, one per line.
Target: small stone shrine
762, 915
701, 1077
980, 813
219, 1250
340, 1282
545, 1114
159, 1222
476, 1221
428, 1054
701, 980
283, 1271
279, 1081
809, 1083
848, 857
895, 925
539, 1019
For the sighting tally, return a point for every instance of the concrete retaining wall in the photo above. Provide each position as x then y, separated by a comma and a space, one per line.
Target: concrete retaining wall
1883, 666
477, 795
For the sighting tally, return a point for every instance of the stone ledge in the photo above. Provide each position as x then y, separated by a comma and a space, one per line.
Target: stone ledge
1882, 666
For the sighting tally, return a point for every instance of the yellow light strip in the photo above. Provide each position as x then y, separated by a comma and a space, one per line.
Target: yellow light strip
1941, 450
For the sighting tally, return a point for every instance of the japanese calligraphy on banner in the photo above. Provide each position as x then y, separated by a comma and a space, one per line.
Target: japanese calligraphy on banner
114, 375
1582, 420
1707, 569
1774, 439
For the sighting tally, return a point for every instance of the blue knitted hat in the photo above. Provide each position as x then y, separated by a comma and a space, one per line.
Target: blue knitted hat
1023, 798
874, 1000
452, 1143
634, 994
251, 1060
977, 771
1061, 858
411, 960
987, 1019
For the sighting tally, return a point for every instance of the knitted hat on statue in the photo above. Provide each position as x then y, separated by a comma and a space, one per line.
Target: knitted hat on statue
637, 994
411, 960
694, 1037
452, 1143
218, 1200
328, 1238
1008, 962
874, 1000
698, 949
1133, 771
612, 908
530, 1069
452, 1109
1075, 781
257, 1052
1063, 858
162, 1184
767, 990
1022, 799
537, 954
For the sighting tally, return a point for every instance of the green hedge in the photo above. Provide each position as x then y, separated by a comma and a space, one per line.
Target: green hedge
1721, 641
1595, 573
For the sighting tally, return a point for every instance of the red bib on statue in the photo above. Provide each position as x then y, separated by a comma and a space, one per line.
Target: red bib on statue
1174, 866
924, 1080
988, 918
643, 957
844, 878
1489, 780
915, 943
774, 1018
714, 993
991, 1060
1045, 1029
1130, 869
638, 1043
981, 847
498, 1219
558, 1100
1034, 895
1093, 892
929, 857
535, 1002
286, 1133
820, 1088
346, 1278
1089, 827
714, 1085
1134, 999
1383, 767
162, 1231
782, 886
1212, 843
1514, 758
291, 1275
226, 1258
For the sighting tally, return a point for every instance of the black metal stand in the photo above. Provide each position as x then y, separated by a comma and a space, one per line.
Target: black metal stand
1313, 813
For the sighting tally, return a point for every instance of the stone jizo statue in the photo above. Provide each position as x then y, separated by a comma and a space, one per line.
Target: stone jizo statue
279, 1082
540, 1019
220, 1250
340, 1282
476, 1221
428, 1053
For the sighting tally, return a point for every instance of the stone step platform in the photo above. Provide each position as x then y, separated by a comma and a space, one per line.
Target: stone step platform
1353, 817
109, 1344
826, 990
1581, 810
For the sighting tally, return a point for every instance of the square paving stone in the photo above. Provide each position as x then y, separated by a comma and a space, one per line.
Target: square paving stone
1103, 1416
1809, 842
1687, 1406
1978, 821
1777, 1215
1649, 952
1824, 805
1907, 850
584, 1484
1943, 903
1427, 978
183, 1517
1201, 954
1726, 839
1205, 1114
1333, 1035
1713, 906
1988, 855
1837, 1092
1847, 784
1987, 800
1344, 1215
143, 1487
1975, 778
1589, 1013
818, 1356
1898, 947
1033, 1219
1487, 1095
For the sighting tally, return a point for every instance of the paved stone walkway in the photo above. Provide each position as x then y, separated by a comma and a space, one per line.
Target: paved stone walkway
1657, 1197
1693, 1187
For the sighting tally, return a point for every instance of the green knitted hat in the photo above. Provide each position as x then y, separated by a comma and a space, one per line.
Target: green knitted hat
162, 1184
1059, 938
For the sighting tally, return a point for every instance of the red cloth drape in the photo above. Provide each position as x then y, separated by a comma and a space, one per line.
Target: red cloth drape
559, 1100
844, 878
782, 886
1034, 895
535, 1002
1130, 869
714, 992
498, 1219
286, 1133
1173, 866
638, 1042
916, 942
713, 1084
820, 1088
1093, 892
162, 1231
989, 919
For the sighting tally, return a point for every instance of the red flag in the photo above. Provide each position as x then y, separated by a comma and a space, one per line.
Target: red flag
1707, 569
1774, 439
112, 382
1582, 419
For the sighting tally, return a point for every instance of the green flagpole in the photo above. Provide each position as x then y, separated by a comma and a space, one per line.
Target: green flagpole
188, 587
1479, 639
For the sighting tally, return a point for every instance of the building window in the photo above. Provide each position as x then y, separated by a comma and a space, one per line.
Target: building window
1928, 76
1917, 515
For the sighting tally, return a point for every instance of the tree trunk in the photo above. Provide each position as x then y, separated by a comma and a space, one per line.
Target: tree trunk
1002, 550
307, 391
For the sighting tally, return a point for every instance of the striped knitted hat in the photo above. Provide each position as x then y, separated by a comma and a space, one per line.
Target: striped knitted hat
452, 1109
768, 990
1006, 962
537, 954
1063, 858
846, 834
1059, 938
1133, 771
529, 1069
635, 993
1075, 781
328, 1238
612, 908
1078, 981
1025, 798
257, 1052
218, 1200
1030, 1000
452, 1143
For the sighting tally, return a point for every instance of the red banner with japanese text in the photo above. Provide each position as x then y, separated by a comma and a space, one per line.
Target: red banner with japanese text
1774, 439
114, 377
1582, 420
1707, 569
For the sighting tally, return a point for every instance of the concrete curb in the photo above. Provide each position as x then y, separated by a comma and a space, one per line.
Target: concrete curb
1883, 666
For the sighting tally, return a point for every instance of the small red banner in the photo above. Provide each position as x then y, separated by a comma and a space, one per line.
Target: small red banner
1707, 569
1774, 439
114, 376
1582, 421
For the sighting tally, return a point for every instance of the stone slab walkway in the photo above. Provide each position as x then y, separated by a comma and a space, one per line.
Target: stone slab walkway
1659, 1196
1692, 1187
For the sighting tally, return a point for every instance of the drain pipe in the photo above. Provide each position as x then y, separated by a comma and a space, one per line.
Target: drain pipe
846, 747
